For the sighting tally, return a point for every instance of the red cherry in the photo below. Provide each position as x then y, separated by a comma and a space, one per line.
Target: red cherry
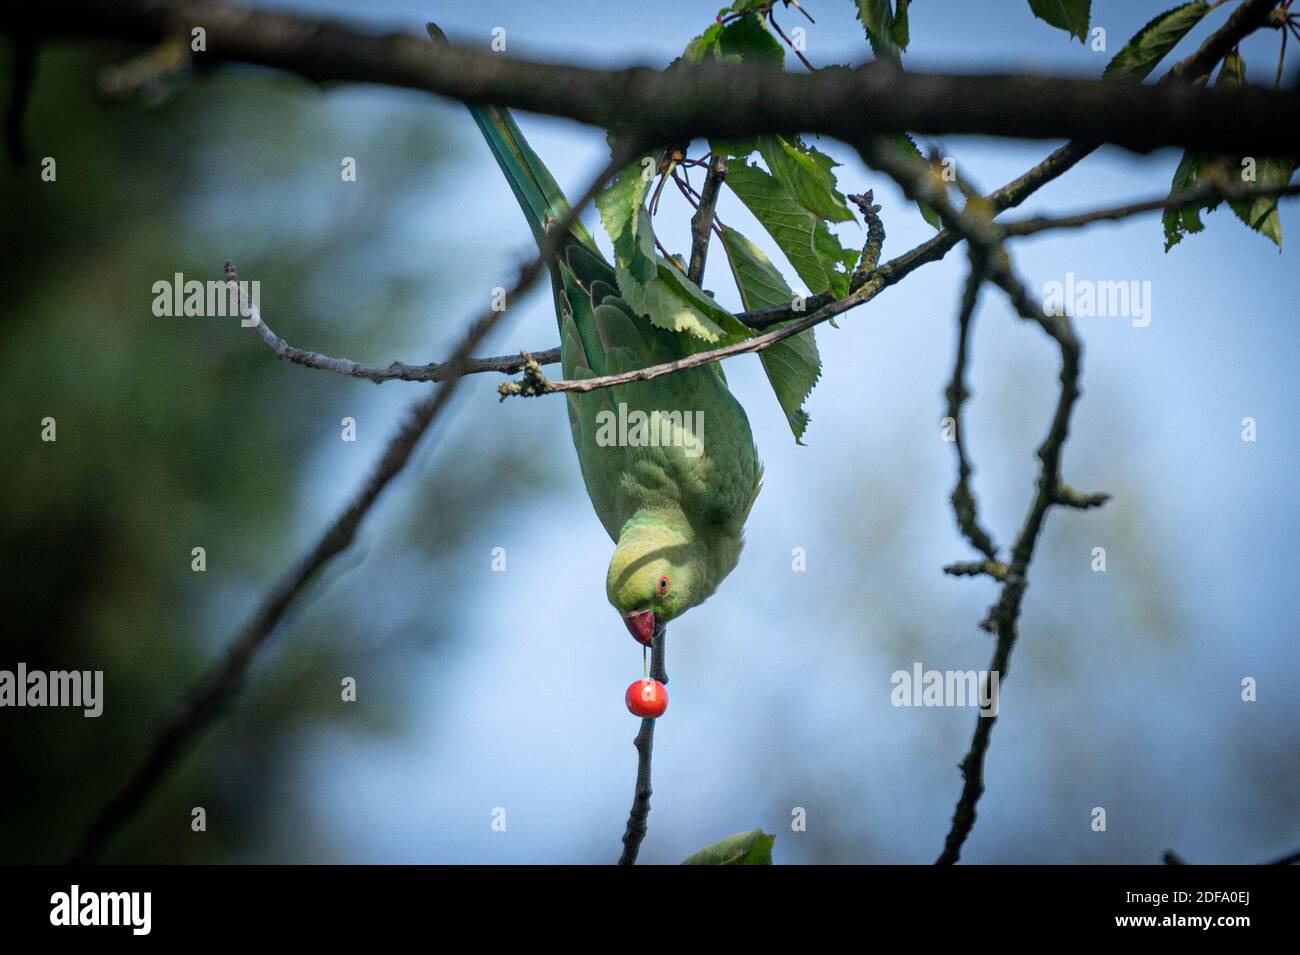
647, 699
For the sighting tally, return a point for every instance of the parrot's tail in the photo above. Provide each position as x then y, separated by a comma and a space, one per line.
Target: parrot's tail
538, 193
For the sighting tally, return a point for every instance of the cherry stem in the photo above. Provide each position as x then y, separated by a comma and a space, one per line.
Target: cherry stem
644, 743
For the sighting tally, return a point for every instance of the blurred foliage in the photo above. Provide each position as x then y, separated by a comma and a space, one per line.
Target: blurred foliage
183, 432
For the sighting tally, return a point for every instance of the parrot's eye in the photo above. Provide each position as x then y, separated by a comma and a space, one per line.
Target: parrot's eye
663, 584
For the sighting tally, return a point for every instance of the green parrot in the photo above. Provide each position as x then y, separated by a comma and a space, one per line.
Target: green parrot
669, 464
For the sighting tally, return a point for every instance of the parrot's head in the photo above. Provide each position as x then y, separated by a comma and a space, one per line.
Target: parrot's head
657, 573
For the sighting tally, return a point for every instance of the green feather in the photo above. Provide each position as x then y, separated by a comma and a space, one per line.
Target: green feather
675, 502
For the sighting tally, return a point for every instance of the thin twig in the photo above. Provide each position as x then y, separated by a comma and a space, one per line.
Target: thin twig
771, 18
963, 498
1004, 616
702, 222
973, 568
512, 364
397, 371
1244, 20
917, 181
1207, 192
637, 819
875, 244
215, 689
871, 284
744, 346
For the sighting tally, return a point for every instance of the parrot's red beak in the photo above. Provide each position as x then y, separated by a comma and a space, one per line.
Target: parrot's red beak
641, 625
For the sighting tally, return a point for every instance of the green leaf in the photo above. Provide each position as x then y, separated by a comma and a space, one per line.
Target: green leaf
1233, 70
745, 40
655, 300
622, 212
1258, 214
705, 46
806, 172
1149, 45
1261, 214
886, 29
907, 145
1069, 15
672, 302
747, 6
811, 247
899, 32
1195, 166
744, 848
793, 365
692, 295
760, 283
1181, 222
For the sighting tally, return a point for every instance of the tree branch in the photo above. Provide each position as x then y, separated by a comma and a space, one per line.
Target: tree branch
963, 498
917, 180
667, 106
161, 18
397, 371
873, 282
512, 364
1003, 617
744, 346
702, 222
216, 688
702, 100
1208, 192
637, 824
1248, 17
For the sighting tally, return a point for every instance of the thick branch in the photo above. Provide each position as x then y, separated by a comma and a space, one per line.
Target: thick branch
702, 100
